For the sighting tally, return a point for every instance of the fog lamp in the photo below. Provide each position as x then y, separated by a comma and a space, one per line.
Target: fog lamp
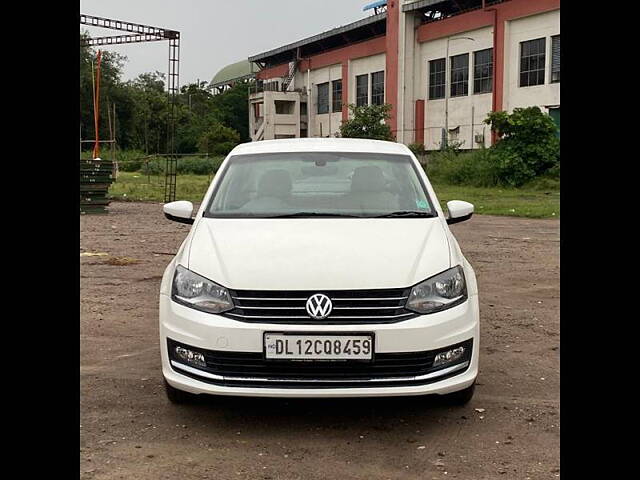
449, 356
189, 356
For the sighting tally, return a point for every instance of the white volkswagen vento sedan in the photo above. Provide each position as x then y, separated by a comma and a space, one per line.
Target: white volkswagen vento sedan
319, 268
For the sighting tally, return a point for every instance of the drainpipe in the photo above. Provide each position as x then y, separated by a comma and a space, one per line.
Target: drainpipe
309, 124
330, 96
494, 98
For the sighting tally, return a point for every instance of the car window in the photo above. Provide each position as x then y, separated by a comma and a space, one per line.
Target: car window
354, 184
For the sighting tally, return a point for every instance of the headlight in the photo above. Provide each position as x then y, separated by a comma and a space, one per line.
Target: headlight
197, 292
445, 290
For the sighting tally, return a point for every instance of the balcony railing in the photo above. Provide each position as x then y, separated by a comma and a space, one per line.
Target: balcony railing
273, 87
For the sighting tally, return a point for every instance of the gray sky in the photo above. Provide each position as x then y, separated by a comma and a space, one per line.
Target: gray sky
215, 33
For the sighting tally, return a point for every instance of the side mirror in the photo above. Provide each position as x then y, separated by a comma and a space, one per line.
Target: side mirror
179, 211
459, 211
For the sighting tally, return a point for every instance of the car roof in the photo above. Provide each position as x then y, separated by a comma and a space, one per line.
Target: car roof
320, 145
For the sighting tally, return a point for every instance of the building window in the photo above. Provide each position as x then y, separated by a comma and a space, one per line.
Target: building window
377, 88
460, 75
362, 90
323, 98
555, 59
336, 95
284, 107
483, 71
436, 78
532, 62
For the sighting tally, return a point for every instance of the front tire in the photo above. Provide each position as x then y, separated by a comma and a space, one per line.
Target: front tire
178, 397
461, 397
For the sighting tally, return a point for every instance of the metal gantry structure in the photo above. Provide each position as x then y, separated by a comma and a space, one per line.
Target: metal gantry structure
138, 33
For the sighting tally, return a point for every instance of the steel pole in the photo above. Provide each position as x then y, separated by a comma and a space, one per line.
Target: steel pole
447, 85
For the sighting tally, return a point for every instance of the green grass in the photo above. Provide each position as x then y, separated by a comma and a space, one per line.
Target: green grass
137, 187
539, 199
528, 202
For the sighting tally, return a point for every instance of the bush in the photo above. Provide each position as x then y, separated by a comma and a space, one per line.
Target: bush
528, 153
554, 172
528, 146
418, 149
198, 165
130, 160
368, 121
154, 166
452, 146
420, 152
475, 168
130, 165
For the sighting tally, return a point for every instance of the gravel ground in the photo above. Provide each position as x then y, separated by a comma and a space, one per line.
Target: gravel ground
129, 430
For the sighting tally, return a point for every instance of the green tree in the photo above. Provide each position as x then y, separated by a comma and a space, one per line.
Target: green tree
528, 144
232, 109
368, 121
148, 105
197, 99
111, 69
142, 109
218, 139
196, 114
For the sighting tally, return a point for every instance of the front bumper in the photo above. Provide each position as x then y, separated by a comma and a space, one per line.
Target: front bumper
422, 333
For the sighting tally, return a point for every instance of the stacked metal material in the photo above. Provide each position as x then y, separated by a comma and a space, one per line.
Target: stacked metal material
95, 178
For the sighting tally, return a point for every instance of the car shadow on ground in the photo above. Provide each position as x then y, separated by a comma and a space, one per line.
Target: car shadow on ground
328, 411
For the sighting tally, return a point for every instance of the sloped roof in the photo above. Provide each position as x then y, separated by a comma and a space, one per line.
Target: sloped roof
345, 34
235, 71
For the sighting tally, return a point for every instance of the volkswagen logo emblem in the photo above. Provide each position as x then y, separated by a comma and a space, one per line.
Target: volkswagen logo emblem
319, 306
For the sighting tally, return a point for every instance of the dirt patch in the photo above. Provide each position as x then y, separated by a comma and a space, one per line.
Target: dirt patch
121, 261
129, 430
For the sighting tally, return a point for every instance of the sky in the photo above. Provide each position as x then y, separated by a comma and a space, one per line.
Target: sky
215, 33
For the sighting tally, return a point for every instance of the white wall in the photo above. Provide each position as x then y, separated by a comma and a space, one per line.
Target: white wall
460, 108
520, 30
330, 121
369, 65
409, 72
281, 124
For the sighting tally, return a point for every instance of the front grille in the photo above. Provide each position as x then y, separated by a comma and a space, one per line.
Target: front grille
251, 369
349, 306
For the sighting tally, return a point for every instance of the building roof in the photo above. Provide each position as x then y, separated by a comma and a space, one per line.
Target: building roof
235, 71
368, 27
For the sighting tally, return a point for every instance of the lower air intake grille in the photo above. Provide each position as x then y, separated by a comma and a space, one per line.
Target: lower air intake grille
250, 369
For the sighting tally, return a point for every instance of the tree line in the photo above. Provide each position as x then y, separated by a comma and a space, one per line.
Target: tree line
205, 122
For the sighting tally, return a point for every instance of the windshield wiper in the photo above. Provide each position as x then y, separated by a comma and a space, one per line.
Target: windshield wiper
312, 214
406, 213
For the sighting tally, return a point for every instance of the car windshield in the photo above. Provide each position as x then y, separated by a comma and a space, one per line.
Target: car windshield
320, 184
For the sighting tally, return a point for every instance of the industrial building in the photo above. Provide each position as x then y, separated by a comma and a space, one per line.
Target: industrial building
443, 65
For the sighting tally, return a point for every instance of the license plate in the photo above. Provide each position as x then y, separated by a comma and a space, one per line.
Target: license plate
280, 346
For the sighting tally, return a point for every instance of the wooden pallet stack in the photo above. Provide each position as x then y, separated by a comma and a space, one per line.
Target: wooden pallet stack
95, 179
